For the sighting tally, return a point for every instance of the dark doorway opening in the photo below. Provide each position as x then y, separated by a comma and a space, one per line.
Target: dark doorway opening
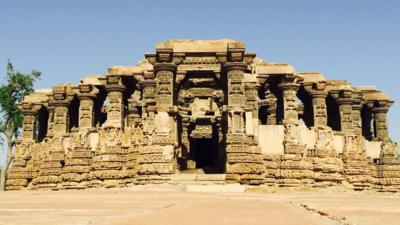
204, 153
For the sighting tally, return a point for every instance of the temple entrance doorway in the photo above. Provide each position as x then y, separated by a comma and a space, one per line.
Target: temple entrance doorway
200, 99
204, 154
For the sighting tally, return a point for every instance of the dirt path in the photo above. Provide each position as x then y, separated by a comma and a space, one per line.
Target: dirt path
170, 206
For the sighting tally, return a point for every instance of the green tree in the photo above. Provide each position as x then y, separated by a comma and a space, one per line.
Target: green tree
17, 85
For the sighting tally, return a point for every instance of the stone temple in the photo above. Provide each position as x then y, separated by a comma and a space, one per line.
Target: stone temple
207, 112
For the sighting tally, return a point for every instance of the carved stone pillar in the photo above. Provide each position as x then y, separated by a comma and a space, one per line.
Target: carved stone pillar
271, 106
345, 102
61, 100
357, 107
28, 125
115, 108
185, 147
289, 88
251, 107
86, 107
165, 73
236, 86
50, 121
236, 96
318, 93
289, 91
243, 158
61, 118
319, 108
380, 116
148, 91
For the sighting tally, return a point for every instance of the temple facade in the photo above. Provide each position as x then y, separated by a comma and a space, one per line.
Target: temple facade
211, 112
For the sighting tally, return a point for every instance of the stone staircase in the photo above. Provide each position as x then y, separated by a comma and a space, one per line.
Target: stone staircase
198, 179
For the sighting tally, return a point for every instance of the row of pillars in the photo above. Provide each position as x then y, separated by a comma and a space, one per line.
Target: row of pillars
59, 110
350, 104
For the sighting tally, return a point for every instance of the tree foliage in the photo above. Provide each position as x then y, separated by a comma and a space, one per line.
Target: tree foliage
17, 85
11, 93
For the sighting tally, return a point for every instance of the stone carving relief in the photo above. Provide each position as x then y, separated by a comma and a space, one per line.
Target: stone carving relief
86, 113
60, 120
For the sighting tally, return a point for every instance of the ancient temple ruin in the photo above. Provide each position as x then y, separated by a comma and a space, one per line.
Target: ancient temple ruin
211, 112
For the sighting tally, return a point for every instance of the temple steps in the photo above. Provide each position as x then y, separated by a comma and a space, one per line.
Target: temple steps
198, 179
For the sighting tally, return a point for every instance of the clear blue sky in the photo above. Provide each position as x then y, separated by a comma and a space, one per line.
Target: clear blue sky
354, 40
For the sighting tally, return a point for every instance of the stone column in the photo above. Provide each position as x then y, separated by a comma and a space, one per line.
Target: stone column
243, 159
148, 90
318, 93
115, 108
164, 85
29, 122
50, 121
271, 106
86, 107
61, 100
185, 148
345, 102
236, 95
380, 116
319, 108
251, 107
289, 90
61, 118
357, 107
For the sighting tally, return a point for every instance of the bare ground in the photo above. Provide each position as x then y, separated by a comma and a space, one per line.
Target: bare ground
175, 205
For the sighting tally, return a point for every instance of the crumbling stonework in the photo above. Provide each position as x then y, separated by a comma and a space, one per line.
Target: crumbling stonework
206, 107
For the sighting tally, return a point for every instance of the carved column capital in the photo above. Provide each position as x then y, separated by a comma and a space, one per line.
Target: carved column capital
236, 66
86, 96
59, 103
115, 88
318, 94
235, 52
345, 101
289, 86
163, 66
380, 109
